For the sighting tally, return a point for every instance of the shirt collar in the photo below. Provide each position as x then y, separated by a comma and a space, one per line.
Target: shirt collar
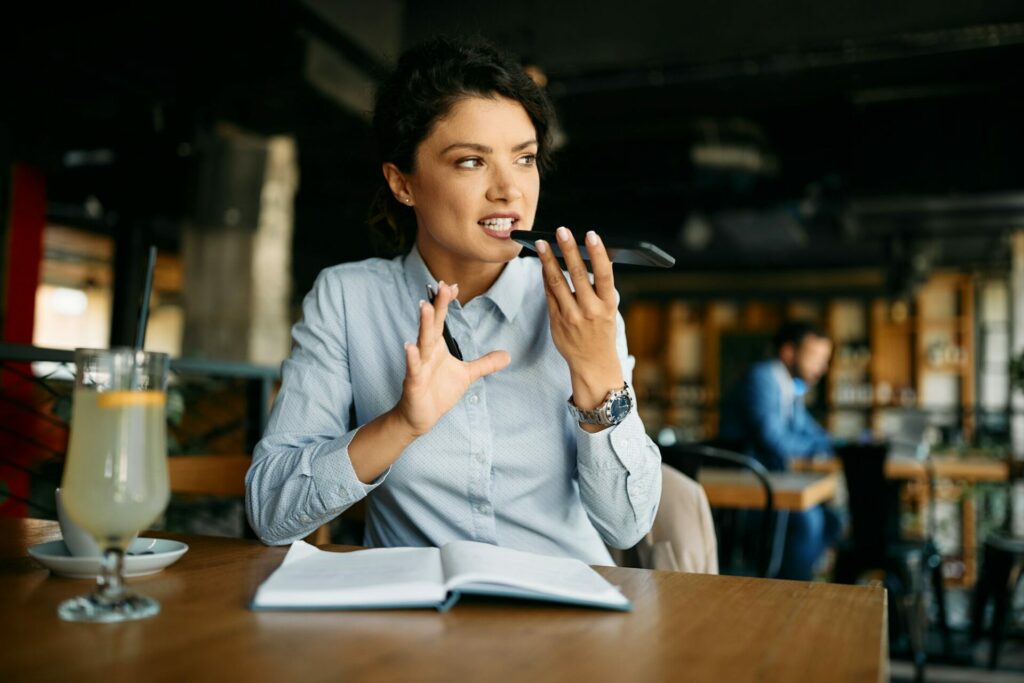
417, 275
782, 373
506, 293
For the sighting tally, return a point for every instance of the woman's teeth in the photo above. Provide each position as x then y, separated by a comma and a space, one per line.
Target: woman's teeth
498, 224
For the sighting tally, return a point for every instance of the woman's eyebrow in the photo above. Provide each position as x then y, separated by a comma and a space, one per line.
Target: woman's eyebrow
484, 149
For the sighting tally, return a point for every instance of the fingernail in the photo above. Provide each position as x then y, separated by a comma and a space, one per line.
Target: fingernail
591, 237
455, 287
422, 303
563, 234
440, 284
542, 246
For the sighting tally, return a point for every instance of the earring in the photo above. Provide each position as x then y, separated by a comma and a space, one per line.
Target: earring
408, 201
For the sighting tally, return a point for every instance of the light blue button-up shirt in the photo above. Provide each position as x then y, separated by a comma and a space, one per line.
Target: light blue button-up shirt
507, 465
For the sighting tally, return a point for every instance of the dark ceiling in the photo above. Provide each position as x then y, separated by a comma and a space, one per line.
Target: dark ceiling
735, 134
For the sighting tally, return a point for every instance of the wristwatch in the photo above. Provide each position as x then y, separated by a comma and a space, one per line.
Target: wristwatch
614, 410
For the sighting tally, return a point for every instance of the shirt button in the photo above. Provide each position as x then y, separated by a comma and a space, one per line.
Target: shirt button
480, 457
305, 519
481, 508
474, 399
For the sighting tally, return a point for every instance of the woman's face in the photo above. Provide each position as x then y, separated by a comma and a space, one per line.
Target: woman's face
476, 180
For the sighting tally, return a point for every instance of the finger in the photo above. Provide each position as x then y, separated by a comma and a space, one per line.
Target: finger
427, 336
554, 280
601, 265
488, 363
553, 310
413, 363
445, 295
576, 267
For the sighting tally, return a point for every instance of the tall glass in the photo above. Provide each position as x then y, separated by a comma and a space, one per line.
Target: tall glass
115, 478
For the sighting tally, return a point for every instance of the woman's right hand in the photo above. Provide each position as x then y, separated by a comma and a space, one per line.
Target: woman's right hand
434, 379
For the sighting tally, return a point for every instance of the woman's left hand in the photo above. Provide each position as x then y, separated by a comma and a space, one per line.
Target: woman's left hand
583, 322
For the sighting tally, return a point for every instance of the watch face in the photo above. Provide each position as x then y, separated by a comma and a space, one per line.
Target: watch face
619, 407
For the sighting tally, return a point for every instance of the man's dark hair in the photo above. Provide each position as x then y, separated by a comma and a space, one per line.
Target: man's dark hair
795, 331
428, 81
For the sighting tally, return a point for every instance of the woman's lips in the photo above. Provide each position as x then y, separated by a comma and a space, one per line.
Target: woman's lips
498, 228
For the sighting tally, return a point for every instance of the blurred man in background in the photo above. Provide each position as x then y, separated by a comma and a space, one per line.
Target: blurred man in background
765, 416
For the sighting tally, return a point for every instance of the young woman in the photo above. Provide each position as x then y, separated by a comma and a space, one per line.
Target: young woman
374, 404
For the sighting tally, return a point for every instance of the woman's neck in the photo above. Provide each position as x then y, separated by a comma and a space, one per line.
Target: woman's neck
473, 278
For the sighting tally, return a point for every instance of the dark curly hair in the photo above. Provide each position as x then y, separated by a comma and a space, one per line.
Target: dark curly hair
428, 81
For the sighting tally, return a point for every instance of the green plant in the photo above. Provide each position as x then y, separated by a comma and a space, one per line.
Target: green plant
1017, 371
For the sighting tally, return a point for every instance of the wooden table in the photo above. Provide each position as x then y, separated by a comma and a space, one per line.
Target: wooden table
962, 469
794, 491
683, 627
967, 469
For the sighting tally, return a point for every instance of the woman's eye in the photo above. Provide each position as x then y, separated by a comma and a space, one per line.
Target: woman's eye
471, 162
527, 160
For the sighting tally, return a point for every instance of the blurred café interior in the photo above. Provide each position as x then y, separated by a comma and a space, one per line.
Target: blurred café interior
856, 165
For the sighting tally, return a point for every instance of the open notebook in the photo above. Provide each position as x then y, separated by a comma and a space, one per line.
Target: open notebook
382, 578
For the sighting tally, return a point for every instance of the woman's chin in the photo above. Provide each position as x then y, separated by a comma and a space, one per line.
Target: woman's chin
501, 246
510, 249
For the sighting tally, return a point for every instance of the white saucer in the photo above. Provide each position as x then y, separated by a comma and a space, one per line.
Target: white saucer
160, 553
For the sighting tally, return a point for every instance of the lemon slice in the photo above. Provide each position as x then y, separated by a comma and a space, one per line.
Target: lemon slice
121, 399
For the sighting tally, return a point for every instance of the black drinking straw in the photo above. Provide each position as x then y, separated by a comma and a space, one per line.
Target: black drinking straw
143, 318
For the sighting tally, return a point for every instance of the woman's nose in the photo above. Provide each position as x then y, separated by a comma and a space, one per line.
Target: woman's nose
503, 187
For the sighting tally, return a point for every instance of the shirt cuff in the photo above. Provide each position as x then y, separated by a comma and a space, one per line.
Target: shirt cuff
335, 479
615, 448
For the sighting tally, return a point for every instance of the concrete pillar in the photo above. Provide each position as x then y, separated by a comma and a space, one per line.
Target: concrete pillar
1016, 348
237, 249
270, 316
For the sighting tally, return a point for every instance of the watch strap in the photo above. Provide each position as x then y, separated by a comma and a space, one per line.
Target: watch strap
601, 415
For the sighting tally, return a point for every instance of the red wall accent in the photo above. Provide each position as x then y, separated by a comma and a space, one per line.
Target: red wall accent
23, 259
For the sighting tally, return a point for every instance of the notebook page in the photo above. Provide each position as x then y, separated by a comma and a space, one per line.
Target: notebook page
470, 566
310, 577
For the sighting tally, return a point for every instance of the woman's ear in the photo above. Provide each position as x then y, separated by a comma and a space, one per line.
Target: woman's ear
400, 186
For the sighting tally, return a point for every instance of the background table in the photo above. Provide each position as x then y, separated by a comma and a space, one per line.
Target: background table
793, 491
968, 469
683, 626
960, 469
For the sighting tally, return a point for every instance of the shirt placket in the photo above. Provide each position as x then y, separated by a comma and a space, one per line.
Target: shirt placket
474, 403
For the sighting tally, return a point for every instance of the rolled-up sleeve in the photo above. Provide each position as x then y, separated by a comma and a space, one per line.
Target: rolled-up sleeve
620, 471
301, 475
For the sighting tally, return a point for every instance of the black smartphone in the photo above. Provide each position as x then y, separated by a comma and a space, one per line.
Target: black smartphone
632, 252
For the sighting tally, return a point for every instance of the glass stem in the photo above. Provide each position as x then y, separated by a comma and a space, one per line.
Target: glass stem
110, 582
